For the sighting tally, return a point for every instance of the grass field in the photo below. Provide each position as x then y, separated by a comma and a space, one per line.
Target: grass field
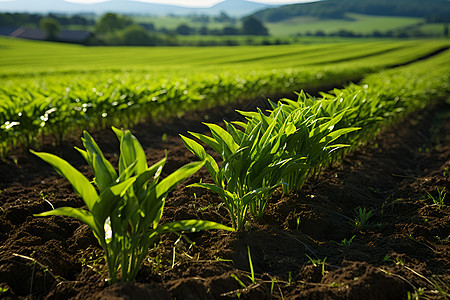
357, 23
432, 29
31, 57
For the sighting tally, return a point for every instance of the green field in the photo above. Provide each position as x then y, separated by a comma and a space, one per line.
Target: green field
307, 173
22, 57
55, 89
432, 29
362, 24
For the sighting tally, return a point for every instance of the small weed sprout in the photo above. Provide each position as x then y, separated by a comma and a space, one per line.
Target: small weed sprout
439, 200
298, 223
234, 276
318, 263
396, 260
252, 272
272, 285
346, 242
3, 290
416, 295
361, 220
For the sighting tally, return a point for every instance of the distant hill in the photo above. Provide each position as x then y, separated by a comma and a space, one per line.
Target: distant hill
238, 7
232, 7
432, 10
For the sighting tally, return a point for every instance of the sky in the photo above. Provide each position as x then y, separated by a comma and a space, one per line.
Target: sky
195, 3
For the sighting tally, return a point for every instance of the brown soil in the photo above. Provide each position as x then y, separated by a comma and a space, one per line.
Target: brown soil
403, 248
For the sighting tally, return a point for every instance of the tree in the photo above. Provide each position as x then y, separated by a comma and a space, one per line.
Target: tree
230, 30
203, 30
252, 26
111, 22
135, 35
184, 29
51, 28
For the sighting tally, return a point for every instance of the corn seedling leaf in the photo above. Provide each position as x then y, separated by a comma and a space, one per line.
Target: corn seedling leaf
199, 151
104, 171
191, 226
176, 177
77, 213
81, 184
130, 151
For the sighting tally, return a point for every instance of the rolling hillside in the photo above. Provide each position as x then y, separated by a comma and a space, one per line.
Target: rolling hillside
233, 7
432, 10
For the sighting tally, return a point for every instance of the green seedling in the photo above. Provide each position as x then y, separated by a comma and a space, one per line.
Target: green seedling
439, 200
3, 290
361, 220
346, 242
252, 272
234, 276
272, 286
317, 263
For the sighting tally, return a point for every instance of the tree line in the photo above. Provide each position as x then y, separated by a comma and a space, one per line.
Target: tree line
116, 29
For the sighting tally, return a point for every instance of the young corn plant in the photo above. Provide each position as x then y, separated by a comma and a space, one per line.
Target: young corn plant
253, 165
124, 214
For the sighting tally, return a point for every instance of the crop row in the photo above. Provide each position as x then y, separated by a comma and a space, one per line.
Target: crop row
280, 147
58, 104
296, 139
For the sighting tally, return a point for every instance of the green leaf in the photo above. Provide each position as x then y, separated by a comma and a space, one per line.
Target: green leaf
104, 171
209, 141
224, 138
130, 151
336, 134
199, 151
127, 173
191, 226
154, 171
250, 196
120, 188
240, 124
111, 199
80, 184
176, 177
235, 133
290, 129
248, 114
212, 187
77, 213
